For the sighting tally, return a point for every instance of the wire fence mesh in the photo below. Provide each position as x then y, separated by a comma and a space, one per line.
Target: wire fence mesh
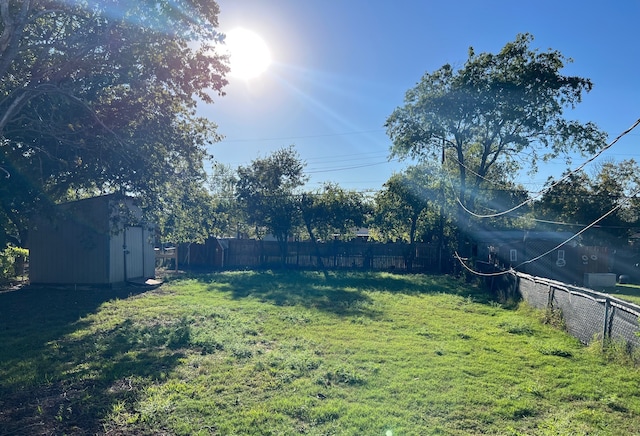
588, 315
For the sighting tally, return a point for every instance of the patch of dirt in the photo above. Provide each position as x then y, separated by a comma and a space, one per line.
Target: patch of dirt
50, 410
60, 408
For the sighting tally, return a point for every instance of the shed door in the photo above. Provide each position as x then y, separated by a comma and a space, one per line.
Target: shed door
135, 252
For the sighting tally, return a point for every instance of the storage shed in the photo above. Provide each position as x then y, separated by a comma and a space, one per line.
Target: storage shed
100, 241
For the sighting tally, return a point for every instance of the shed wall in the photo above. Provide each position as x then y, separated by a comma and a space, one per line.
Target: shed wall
70, 247
78, 246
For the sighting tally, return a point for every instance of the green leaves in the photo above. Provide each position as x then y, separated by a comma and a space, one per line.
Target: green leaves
99, 96
332, 210
266, 191
579, 199
497, 115
406, 208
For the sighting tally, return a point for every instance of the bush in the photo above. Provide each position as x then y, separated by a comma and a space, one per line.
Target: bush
11, 262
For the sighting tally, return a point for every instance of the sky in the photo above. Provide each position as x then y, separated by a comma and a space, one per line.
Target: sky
341, 67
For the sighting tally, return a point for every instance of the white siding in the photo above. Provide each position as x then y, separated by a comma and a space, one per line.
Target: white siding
134, 253
116, 258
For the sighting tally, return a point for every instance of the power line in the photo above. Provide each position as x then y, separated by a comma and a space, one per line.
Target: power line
534, 259
351, 156
574, 236
554, 184
560, 223
587, 227
289, 138
350, 167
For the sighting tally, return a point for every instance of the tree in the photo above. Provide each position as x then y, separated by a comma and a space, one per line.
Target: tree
567, 202
266, 191
329, 211
402, 206
192, 216
499, 109
608, 197
332, 210
222, 185
99, 96
616, 185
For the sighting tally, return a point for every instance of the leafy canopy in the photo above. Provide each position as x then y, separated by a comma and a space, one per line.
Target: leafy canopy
99, 96
267, 192
407, 204
502, 109
609, 196
332, 210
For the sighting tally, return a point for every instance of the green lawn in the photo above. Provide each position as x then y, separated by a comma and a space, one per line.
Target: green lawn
259, 353
629, 293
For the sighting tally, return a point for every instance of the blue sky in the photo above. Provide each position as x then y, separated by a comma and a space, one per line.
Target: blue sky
342, 66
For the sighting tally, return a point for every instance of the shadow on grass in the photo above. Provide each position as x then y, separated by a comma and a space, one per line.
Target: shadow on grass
343, 292
56, 381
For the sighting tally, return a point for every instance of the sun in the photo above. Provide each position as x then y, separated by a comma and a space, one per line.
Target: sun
249, 55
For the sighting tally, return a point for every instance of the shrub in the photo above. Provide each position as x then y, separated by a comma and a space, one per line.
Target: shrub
11, 261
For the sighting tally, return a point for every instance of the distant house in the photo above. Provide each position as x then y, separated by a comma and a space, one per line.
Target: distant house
362, 233
99, 241
540, 253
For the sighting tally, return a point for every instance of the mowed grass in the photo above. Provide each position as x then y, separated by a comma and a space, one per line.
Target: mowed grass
286, 353
626, 292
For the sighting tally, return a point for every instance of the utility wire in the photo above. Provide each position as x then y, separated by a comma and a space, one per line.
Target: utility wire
560, 223
478, 273
554, 184
350, 167
289, 138
593, 224
574, 236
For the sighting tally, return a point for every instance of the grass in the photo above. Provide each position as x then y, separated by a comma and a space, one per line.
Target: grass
627, 292
260, 353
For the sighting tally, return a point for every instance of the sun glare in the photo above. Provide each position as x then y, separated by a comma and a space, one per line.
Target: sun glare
249, 55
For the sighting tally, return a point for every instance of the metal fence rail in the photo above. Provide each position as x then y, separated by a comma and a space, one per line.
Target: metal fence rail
588, 315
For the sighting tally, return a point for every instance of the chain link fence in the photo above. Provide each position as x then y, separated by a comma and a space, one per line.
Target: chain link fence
587, 314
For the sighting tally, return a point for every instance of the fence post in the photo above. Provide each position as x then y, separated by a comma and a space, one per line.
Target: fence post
605, 322
261, 256
550, 297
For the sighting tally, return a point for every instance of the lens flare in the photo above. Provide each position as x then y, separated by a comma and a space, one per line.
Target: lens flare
249, 55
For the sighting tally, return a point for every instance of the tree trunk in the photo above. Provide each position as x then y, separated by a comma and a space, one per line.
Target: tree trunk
316, 249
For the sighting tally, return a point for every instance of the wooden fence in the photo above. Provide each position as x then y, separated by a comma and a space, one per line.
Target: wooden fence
249, 253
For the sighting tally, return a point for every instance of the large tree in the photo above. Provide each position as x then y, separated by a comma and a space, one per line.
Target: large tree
230, 219
99, 96
268, 191
503, 109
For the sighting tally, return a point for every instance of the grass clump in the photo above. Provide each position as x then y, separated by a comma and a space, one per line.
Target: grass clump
258, 353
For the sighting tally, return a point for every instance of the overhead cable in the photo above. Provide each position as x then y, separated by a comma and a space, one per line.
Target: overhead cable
534, 259
289, 138
551, 186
